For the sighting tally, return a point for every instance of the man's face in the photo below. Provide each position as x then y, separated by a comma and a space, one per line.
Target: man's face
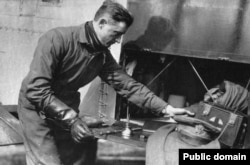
111, 32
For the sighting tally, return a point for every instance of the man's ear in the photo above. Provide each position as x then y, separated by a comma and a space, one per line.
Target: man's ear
102, 23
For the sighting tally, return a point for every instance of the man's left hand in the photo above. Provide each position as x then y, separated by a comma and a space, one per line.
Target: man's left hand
171, 111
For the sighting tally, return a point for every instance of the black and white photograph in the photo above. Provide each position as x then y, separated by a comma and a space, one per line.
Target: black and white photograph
124, 82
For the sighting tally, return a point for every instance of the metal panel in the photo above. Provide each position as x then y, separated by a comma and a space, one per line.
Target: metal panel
214, 29
10, 130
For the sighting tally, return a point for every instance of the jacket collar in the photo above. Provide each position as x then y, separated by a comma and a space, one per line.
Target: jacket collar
82, 35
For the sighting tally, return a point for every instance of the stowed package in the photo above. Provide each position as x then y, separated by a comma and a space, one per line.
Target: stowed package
232, 124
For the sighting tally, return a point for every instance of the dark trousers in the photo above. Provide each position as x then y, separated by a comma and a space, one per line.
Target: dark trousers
47, 144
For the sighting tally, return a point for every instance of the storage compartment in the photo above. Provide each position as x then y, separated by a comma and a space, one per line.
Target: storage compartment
179, 78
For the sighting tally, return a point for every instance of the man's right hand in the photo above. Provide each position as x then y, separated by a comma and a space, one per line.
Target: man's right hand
80, 128
80, 131
68, 119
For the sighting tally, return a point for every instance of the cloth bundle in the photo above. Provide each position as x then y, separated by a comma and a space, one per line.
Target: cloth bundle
230, 96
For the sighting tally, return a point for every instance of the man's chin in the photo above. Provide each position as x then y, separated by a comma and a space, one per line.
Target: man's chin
107, 45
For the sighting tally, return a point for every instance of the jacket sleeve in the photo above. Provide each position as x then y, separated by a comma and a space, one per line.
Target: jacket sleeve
42, 72
129, 88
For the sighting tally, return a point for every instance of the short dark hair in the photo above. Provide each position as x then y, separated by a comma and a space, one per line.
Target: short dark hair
116, 11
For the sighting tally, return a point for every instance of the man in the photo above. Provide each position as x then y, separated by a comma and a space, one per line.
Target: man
66, 59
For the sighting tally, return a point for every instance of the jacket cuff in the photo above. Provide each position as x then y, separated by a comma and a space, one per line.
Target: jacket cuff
60, 113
